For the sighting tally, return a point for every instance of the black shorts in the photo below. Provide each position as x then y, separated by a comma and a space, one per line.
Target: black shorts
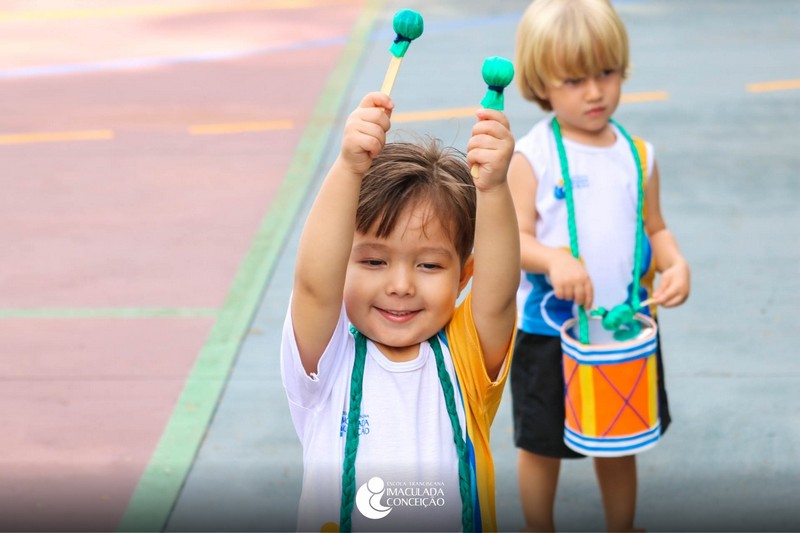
537, 394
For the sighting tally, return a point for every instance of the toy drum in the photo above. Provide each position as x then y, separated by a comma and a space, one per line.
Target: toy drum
610, 390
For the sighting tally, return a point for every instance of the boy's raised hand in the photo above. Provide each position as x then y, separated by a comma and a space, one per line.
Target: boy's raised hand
365, 132
490, 148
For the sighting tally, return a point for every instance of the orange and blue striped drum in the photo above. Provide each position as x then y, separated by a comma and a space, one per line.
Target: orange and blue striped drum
610, 390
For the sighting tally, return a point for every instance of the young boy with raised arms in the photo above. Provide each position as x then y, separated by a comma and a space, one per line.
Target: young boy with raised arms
393, 382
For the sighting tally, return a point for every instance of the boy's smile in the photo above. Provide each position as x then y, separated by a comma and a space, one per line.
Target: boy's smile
398, 316
401, 290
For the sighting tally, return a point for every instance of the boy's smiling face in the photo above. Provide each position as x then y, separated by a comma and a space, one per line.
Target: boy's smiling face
401, 290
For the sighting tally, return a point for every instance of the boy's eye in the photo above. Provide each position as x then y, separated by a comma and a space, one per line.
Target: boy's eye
373, 262
607, 72
430, 266
573, 81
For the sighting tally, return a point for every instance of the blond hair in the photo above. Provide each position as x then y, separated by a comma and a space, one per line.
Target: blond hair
562, 39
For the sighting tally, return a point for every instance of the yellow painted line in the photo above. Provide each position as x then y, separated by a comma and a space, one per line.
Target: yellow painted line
285, 124
768, 86
240, 127
162, 10
422, 116
56, 136
652, 96
462, 112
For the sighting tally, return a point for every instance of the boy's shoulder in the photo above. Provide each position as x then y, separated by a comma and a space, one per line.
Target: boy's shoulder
535, 146
534, 143
644, 148
538, 132
622, 130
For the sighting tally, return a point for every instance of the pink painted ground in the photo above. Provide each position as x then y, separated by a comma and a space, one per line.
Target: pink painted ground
155, 218
82, 405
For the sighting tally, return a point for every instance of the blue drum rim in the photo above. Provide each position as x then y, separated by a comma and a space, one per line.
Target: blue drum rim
588, 357
612, 446
595, 354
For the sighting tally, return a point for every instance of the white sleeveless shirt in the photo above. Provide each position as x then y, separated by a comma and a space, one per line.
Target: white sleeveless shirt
604, 182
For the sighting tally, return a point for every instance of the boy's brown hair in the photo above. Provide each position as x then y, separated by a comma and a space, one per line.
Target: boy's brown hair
562, 39
424, 173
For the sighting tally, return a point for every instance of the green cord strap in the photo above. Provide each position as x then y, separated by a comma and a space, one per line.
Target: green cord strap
464, 481
583, 321
351, 443
637, 255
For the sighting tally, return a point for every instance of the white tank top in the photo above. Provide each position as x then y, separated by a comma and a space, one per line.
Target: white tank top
604, 181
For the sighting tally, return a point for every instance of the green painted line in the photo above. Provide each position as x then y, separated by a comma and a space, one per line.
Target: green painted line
160, 485
107, 312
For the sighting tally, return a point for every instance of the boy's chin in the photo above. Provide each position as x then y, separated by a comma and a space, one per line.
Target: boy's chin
399, 339
399, 347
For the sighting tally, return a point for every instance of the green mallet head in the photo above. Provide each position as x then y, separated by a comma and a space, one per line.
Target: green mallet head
497, 73
621, 320
408, 26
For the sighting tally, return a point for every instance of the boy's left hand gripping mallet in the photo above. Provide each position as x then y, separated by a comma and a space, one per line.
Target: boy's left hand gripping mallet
497, 72
408, 26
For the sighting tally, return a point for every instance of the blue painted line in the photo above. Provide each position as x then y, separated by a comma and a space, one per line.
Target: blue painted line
150, 62
387, 34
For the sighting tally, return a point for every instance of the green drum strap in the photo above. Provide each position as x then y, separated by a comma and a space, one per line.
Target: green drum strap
583, 323
637, 256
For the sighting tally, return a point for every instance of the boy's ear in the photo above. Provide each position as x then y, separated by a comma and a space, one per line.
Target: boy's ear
466, 272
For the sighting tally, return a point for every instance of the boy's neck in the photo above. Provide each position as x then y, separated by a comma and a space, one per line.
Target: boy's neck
402, 354
601, 138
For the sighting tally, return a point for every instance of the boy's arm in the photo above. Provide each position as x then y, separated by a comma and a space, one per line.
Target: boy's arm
496, 256
673, 287
327, 238
568, 276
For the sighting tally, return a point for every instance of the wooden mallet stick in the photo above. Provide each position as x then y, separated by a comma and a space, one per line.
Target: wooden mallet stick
408, 26
497, 72
647, 302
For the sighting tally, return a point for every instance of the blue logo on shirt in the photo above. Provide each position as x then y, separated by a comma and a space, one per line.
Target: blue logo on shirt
363, 425
578, 182
558, 191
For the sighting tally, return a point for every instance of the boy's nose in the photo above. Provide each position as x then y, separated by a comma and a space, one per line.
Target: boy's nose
593, 91
400, 282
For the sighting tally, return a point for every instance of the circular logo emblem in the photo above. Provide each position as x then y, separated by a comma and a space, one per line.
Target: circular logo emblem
368, 499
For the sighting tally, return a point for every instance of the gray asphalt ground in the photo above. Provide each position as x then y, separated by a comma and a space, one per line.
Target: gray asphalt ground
729, 160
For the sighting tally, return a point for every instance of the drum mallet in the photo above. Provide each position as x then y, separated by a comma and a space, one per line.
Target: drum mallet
497, 72
408, 26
